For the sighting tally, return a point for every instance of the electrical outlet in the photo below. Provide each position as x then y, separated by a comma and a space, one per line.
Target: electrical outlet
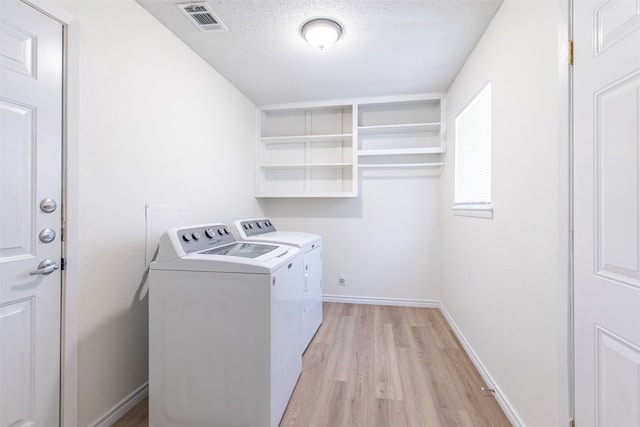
342, 280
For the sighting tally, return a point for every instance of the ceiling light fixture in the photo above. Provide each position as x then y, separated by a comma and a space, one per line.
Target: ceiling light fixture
321, 33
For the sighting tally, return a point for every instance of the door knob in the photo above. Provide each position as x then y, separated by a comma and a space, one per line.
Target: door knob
47, 266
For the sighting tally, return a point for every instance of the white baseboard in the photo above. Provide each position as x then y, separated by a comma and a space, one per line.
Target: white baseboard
124, 406
380, 301
484, 373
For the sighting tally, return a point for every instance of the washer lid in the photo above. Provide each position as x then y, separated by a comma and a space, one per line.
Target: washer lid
293, 238
268, 262
241, 249
262, 230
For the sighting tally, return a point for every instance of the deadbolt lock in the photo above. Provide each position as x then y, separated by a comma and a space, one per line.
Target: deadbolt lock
48, 205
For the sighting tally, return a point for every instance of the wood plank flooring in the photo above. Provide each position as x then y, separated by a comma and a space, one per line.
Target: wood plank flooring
382, 366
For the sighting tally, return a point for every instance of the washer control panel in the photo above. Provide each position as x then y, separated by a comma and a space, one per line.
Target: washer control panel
253, 227
204, 237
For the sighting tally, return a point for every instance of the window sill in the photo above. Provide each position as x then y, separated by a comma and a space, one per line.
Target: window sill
485, 212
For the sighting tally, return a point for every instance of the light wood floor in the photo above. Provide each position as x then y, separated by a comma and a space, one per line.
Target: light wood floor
382, 366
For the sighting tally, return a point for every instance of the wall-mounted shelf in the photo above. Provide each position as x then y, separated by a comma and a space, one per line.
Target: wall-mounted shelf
303, 138
305, 165
402, 165
402, 125
309, 194
403, 151
395, 129
312, 150
306, 151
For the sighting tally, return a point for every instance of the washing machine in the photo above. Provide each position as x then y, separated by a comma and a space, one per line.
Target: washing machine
263, 230
224, 329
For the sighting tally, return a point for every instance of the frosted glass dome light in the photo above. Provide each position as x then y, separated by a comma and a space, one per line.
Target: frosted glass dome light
321, 33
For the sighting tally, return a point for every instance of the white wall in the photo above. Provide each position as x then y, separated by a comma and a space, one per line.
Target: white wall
160, 126
386, 241
499, 277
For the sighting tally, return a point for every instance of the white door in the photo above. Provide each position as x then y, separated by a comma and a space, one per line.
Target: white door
30, 217
607, 212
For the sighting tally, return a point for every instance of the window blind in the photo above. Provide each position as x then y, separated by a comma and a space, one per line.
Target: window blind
473, 152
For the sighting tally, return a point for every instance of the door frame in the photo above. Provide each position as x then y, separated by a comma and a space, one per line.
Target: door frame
565, 216
70, 209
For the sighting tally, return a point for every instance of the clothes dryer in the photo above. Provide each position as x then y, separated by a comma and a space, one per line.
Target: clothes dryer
224, 328
263, 230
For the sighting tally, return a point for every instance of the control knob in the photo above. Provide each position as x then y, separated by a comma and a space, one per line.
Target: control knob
210, 232
197, 235
186, 237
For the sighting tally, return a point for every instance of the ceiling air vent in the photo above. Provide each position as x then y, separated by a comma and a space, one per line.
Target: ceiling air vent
202, 16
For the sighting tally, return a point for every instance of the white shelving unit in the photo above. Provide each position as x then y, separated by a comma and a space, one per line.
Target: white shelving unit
316, 150
408, 130
306, 151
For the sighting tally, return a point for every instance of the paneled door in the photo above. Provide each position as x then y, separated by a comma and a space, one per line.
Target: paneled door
607, 212
31, 60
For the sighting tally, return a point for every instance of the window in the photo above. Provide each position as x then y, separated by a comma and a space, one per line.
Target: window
473, 157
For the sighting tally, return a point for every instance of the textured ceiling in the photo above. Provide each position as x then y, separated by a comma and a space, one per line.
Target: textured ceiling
388, 47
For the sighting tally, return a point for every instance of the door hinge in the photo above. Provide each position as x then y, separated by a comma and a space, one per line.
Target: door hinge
63, 264
572, 423
570, 52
